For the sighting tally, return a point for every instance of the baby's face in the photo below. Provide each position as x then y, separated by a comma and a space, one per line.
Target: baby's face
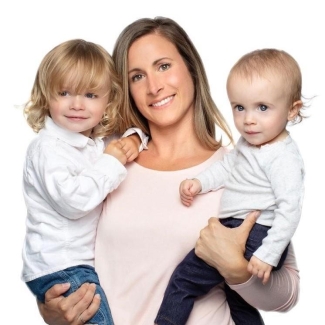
260, 107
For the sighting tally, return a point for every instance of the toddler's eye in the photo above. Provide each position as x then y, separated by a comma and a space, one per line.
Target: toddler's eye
63, 93
263, 108
90, 95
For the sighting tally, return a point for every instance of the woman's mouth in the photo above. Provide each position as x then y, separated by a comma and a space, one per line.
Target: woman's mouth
162, 102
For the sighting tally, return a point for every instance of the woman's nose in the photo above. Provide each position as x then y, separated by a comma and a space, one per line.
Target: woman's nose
154, 84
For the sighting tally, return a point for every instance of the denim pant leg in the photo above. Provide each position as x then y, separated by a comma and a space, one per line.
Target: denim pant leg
76, 276
241, 311
191, 279
255, 239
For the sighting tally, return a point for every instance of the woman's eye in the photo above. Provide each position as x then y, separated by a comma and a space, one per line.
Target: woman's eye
136, 77
164, 66
63, 93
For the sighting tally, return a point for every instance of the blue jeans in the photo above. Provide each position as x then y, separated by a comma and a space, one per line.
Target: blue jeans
193, 278
76, 276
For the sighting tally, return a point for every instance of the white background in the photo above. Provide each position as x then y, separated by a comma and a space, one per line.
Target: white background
222, 32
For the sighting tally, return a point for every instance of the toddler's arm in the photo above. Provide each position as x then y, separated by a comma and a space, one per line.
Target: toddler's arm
116, 149
131, 146
142, 136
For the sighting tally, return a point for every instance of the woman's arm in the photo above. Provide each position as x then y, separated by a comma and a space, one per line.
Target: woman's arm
223, 248
280, 293
72, 310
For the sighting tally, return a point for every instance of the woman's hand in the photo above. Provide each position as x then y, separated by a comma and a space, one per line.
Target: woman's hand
75, 309
223, 248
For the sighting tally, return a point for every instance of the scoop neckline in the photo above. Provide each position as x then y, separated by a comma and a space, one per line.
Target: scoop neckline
179, 170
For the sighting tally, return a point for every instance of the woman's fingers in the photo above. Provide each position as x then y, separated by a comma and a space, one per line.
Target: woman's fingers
79, 306
92, 308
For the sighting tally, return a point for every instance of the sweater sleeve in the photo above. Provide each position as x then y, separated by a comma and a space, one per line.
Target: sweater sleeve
280, 293
286, 175
214, 177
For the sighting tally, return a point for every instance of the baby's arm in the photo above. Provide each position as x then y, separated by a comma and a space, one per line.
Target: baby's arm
286, 174
211, 179
188, 189
259, 268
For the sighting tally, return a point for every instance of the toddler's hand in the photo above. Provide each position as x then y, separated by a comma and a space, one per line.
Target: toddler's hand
188, 189
115, 149
131, 146
259, 268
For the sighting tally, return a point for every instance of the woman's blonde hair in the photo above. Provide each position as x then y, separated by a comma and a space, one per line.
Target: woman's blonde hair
82, 66
263, 61
206, 114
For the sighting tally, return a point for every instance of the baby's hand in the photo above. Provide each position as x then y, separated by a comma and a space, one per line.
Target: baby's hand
115, 149
259, 268
188, 189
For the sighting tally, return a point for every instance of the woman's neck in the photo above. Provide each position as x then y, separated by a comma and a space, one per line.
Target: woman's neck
170, 150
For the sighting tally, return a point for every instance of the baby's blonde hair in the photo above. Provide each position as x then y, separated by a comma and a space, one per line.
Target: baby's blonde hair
82, 66
260, 62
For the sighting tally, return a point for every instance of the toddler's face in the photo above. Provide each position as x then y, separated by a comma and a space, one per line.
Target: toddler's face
260, 107
79, 112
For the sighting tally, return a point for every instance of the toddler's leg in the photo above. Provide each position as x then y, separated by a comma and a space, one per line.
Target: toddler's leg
191, 279
242, 312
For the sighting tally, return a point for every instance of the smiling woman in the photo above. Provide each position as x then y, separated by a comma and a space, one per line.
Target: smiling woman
222, 31
144, 231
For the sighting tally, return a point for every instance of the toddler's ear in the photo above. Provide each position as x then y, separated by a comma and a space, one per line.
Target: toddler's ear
293, 112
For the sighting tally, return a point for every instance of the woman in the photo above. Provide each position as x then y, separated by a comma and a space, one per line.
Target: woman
144, 230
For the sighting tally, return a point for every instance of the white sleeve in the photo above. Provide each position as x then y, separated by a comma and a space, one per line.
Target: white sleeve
71, 188
144, 138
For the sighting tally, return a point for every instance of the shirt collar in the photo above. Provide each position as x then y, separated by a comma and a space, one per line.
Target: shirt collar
74, 139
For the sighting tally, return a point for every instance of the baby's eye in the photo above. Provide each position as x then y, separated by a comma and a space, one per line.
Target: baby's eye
239, 108
164, 66
90, 95
263, 108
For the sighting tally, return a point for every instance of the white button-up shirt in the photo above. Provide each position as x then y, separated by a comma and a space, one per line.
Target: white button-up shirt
66, 177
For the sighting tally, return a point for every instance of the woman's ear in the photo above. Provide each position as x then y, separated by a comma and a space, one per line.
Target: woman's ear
293, 112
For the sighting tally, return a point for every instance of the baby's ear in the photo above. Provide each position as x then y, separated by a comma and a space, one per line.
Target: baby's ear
293, 112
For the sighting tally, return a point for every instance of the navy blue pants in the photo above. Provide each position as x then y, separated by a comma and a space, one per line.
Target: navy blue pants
76, 276
194, 278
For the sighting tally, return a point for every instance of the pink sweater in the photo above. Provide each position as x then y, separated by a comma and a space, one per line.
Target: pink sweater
145, 231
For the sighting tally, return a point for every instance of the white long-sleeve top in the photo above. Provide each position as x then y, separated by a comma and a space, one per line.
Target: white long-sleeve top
269, 179
66, 177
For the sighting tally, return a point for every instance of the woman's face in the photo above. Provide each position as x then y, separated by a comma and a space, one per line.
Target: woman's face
160, 82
